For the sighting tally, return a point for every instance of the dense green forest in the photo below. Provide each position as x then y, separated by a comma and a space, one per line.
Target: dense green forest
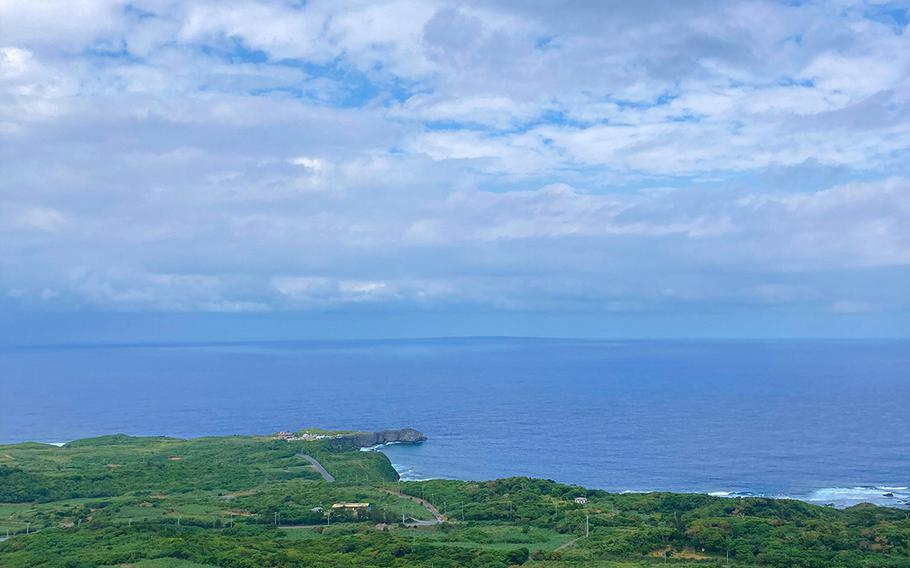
252, 501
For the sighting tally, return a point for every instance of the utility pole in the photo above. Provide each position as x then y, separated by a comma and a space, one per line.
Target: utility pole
587, 526
28, 527
276, 518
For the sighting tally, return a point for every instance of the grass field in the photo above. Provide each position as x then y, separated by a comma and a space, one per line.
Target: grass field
161, 502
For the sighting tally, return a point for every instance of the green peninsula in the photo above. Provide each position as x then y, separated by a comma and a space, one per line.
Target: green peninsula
312, 498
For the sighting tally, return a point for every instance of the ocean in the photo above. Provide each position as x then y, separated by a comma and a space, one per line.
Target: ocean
823, 421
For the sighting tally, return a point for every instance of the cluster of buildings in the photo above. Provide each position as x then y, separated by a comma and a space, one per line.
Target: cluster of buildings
305, 436
355, 509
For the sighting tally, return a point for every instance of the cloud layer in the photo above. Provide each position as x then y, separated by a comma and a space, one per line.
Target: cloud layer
582, 157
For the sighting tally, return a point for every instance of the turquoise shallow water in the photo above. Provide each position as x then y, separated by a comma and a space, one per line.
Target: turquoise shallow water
825, 421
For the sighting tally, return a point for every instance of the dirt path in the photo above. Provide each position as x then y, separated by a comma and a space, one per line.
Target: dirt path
322, 471
437, 516
566, 544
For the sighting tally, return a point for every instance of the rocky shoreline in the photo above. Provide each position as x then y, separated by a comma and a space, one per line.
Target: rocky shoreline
348, 440
403, 436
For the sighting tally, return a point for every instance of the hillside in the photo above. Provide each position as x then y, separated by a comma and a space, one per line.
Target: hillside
250, 501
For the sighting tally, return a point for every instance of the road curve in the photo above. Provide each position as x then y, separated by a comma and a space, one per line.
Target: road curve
437, 516
315, 463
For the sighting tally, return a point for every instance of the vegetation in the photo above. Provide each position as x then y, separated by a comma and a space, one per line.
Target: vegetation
246, 501
747, 531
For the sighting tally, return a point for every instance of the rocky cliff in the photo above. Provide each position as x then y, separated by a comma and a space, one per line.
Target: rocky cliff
369, 439
405, 435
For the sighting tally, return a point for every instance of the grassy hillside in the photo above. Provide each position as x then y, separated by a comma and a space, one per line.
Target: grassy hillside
155, 502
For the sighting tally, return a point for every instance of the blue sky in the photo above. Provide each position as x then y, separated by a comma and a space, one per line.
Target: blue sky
230, 170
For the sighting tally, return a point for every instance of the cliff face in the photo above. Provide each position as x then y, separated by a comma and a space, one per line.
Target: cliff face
368, 439
405, 435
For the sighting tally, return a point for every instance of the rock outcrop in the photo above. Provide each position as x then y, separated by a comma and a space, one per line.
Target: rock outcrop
369, 439
405, 435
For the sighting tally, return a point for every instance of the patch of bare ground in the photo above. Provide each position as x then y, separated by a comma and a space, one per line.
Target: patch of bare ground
235, 494
240, 513
686, 553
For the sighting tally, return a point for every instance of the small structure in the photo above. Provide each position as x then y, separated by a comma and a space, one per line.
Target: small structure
306, 436
316, 510
581, 500
354, 508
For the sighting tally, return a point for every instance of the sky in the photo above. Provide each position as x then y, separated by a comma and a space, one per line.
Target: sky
221, 170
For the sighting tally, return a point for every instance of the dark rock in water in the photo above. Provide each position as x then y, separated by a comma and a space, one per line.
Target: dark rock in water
888, 494
369, 439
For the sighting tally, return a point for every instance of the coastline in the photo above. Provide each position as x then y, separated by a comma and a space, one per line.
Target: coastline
839, 497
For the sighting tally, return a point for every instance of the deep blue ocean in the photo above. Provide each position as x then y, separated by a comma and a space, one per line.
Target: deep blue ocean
825, 421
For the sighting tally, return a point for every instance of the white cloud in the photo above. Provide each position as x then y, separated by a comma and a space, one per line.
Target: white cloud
312, 165
58, 24
848, 307
14, 62
286, 155
361, 287
273, 27
44, 219
497, 111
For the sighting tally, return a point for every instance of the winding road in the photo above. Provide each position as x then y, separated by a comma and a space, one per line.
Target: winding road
315, 463
437, 516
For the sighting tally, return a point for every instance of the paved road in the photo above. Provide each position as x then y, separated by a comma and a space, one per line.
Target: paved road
322, 471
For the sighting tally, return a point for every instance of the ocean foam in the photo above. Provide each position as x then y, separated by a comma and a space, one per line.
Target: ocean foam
839, 497
848, 496
409, 474
378, 447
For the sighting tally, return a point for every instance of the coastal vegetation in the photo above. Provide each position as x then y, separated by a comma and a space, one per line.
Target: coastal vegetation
251, 501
